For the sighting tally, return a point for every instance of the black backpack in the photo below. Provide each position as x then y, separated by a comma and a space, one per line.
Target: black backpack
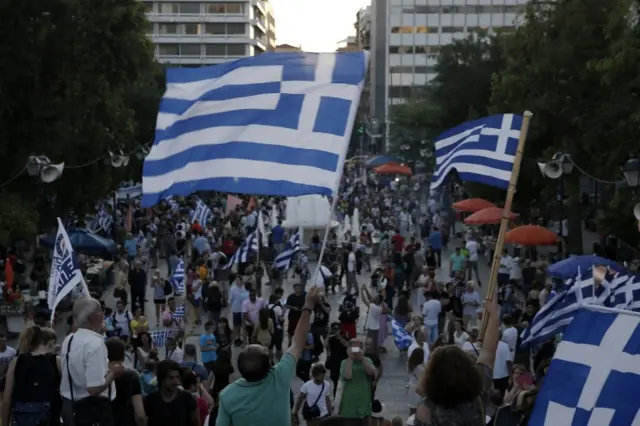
318, 347
36, 397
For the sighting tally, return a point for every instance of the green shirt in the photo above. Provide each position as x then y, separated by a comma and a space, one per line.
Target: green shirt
356, 392
250, 404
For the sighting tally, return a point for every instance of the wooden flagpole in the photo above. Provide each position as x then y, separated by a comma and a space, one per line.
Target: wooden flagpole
504, 223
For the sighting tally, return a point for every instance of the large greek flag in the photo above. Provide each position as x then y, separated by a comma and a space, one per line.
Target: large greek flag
619, 291
273, 124
480, 151
242, 255
283, 260
594, 376
65, 274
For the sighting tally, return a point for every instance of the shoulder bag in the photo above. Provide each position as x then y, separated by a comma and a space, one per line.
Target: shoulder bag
312, 412
91, 410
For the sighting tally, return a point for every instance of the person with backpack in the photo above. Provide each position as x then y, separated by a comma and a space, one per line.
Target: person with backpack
127, 406
276, 313
122, 321
31, 394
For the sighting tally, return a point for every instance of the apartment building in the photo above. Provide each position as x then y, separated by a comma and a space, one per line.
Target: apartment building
188, 33
405, 38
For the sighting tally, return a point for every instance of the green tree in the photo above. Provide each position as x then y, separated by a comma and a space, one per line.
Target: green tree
461, 91
563, 65
69, 68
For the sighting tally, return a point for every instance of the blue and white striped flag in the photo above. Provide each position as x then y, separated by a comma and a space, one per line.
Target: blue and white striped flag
619, 291
594, 376
105, 220
273, 124
179, 313
173, 204
65, 274
284, 259
480, 151
242, 255
401, 337
178, 279
159, 337
202, 213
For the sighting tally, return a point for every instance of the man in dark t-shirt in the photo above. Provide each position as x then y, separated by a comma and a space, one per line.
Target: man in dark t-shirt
294, 303
170, 405
128, 401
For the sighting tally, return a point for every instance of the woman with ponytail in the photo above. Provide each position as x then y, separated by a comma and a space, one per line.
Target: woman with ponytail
34, 398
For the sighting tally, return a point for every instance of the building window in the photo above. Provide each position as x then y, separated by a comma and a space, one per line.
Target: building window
190, 50
168, 29
214, 28
237, 8
411, 70
401, 49
169, 8
448, 30
215, 49
236, 28
190, 8
401, 30
236, 50
148, 6
191, 29
168, 49
400, 91
215, 8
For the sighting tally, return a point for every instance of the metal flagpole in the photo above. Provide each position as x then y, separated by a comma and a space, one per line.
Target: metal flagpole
506, 211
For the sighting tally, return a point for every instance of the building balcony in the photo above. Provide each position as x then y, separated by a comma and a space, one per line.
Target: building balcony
195, 60
190, 18
203, 38
260, 24
260, 42
261, 5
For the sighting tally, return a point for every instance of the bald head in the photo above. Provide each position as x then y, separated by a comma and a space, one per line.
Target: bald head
83, 309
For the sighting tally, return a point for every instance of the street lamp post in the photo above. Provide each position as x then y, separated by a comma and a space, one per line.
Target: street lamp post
559, 166
631, 172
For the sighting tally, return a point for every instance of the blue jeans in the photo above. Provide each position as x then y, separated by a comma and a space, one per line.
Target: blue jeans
432, 333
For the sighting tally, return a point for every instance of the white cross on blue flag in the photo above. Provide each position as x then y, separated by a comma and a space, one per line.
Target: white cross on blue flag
480, 151
273, 124
178, 279
594, 378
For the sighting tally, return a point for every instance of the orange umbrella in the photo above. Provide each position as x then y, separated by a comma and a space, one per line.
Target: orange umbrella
488, 216
394, 169
531, 235
472, 205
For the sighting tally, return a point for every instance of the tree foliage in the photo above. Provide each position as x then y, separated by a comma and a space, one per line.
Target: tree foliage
574, 65
460, 91
77, 82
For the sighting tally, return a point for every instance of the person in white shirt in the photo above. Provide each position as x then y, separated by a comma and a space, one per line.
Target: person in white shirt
471, 346
472, 261
510, 335
173, 351
352, 281
376, 307
460, 337
85, 367
470, 303
419, 341
506, 264
502, 367
430, 311
321, 277
315, 393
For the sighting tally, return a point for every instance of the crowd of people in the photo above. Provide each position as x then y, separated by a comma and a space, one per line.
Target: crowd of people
123, 365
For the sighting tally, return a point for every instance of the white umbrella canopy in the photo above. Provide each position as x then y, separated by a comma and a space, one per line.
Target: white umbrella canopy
355, 222
346, 225
273, 219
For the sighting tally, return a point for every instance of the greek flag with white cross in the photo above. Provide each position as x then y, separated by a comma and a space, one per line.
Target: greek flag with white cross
594, 377
274, 124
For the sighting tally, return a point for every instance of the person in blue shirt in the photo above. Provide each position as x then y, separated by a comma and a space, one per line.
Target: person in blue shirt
208, 346
237, 294
435, 242
277, 234
131, 246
